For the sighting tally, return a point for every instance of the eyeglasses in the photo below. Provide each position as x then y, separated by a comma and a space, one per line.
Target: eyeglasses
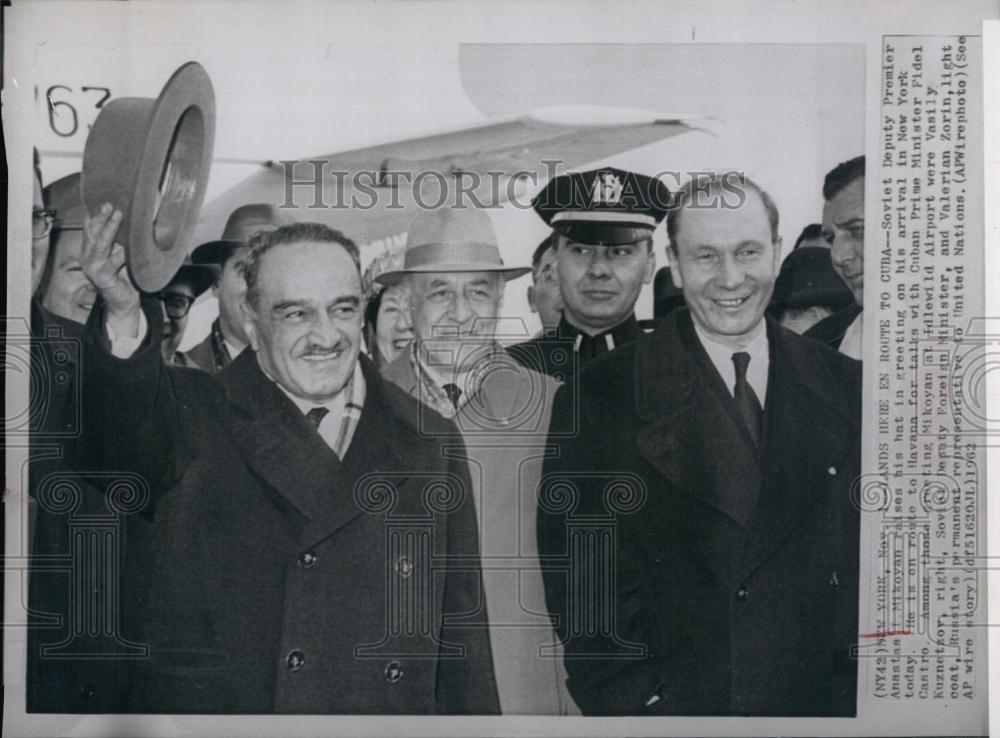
176, 304
41, 222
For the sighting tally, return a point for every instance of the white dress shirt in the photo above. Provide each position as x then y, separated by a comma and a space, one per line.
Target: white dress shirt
722, 358
330, 427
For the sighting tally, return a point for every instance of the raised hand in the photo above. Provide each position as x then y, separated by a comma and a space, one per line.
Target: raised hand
103, 261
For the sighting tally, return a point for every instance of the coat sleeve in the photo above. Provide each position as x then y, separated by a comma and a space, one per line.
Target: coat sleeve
466, 684
128, 407
612, 666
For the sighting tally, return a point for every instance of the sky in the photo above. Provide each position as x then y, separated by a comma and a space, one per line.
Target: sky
298, 80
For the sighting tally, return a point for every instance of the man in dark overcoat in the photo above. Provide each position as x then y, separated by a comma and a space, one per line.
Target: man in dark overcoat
698, 537
302, 544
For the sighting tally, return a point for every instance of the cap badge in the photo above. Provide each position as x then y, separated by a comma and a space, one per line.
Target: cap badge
607, 189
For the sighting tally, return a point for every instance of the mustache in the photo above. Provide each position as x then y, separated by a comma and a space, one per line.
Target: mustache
314, 349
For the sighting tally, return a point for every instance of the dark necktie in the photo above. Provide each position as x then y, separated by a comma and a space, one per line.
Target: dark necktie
454, 392
316, 415
746, 398
592, 346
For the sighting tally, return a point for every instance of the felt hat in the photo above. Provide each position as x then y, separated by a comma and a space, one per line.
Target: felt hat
451, 240
63, 196
150, 158
244, 222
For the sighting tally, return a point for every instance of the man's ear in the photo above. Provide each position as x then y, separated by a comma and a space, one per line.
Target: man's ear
249, 323
675, 272
531, 298
777, 254
650, 268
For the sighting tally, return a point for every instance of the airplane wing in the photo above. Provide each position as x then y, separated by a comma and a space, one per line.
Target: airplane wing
369, 193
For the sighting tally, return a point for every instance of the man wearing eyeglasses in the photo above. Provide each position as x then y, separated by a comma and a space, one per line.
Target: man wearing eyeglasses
176, 300
65, 290
41, 225
603, 222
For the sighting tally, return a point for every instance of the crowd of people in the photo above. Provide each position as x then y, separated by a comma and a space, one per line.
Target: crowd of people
354, 499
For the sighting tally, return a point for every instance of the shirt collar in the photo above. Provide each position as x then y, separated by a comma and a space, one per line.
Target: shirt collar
469, 382
624, 332
353, 391
721, 357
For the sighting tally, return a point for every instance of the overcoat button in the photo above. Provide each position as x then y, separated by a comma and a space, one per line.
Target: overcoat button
832, 471
87, 691
308, 559
295, 660
404, 567
743, 594
834, 580
393, 672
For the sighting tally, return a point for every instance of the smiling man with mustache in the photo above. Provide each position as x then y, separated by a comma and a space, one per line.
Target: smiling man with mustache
733, 578
273, 557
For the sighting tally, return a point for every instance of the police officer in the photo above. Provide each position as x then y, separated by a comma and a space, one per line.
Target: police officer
602, 222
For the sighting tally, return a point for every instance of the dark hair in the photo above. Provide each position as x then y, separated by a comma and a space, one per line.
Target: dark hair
50, 264
731, 182
263, 241
548, 243
36, 162
811, 231
372, 307
842, 175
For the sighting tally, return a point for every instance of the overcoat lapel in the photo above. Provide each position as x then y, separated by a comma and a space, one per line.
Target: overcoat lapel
275, 439
692, 435
284, 449
806, 435
375, 457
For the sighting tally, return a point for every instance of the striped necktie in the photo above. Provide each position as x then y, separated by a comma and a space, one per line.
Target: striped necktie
316, 415
454, 392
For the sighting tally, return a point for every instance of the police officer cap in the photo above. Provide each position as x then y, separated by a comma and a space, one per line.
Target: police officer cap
606, 206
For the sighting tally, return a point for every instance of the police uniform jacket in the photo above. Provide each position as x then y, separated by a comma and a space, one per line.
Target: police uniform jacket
562, 353
276, 577
714, 612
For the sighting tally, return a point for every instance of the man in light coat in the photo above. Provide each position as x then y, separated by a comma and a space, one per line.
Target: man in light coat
455, 279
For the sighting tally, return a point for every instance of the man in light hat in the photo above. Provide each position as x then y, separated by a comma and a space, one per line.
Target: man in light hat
227, 337
602, 222
455, 278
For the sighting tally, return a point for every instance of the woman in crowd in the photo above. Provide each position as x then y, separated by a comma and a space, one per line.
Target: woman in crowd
387, 315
